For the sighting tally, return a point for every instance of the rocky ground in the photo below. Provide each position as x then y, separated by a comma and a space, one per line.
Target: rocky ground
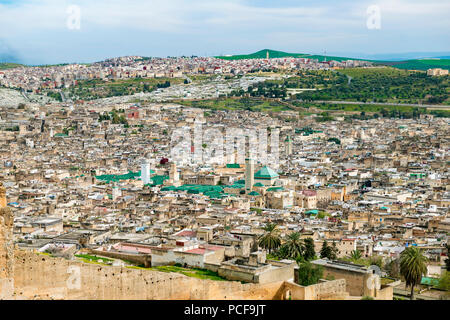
12, 98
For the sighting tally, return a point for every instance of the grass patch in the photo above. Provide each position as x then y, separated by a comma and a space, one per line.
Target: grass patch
94, 259
190, 272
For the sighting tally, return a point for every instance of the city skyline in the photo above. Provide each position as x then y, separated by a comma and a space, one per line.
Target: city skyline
45, 32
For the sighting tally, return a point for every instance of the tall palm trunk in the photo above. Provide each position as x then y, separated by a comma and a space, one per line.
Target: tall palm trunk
412, 292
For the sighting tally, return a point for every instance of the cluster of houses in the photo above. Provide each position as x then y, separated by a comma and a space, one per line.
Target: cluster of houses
75, 182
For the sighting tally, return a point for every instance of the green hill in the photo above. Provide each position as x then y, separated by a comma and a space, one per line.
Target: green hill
4, 66
262, 54
419, 64
415, 64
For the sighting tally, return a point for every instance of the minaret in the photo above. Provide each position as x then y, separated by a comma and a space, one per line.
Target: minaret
173, 173
288, 145
267, 54
145, 172
249, 174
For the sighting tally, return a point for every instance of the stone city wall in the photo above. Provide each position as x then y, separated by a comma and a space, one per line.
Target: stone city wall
41, 276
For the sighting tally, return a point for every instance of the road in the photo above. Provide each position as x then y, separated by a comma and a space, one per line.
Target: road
431, 106
24, 94
63, 97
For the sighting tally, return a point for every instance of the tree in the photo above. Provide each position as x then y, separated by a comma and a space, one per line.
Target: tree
270, 239
393, 268
334, 252
325, 252
377, 261
447, 261
309, 274
412, 267
355, 255
294, 245
309, 253
444, 281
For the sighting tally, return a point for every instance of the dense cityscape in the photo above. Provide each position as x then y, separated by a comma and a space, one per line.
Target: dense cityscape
224, 159
98, 182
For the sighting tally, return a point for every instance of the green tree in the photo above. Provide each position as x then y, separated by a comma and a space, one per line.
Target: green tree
334, 251
294, 245
309, 274
412, 267
447, 261
309, 253
355, 255
393, 268
325, 252
444, 281
270, 239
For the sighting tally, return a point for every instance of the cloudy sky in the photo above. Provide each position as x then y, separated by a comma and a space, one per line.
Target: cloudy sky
46, 31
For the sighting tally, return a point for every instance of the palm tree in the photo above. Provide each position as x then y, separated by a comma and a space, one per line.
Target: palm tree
270, 239
412, 267
355, 255
295, 246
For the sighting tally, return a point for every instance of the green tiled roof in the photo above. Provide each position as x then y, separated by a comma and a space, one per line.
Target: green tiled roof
117, 177
429, 281
158, 180
254, 193
266, 173
258, 184
233, 165
275, 189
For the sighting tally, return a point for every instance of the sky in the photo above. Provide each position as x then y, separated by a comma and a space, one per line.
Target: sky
65, 31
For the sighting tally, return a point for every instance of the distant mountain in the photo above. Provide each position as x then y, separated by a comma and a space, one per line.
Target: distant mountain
397, 56
262, 54
405, 63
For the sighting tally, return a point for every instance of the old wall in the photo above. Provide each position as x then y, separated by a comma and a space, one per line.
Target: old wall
356, 282
335, 290
57, 278
327, 290
282, 273
6, 248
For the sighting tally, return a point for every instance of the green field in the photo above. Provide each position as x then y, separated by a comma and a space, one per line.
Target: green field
190, 272
382, 110
421, 64
249, 104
